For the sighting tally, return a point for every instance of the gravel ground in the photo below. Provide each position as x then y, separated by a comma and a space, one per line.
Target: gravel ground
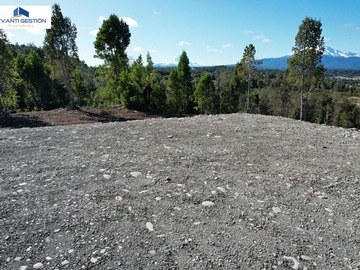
208, 192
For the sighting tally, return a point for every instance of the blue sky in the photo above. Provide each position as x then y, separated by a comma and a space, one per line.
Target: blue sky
212, 32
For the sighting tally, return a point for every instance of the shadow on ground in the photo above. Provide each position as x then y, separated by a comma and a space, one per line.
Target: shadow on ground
21, 121
64, 116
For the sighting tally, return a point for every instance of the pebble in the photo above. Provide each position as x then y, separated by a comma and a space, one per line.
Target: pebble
152, 252
23, 267
38, 266
305, 258
276, 209
157, 198
208, 203
222, 189
94, 260
48, 258
107, 176
150, 226
17, 259
66, 262
135, 174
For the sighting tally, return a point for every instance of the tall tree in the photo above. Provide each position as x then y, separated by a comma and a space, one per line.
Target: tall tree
7, 76
185, 83
61, 50
305, 66
173, 92
248, 63
111, 42
206, 96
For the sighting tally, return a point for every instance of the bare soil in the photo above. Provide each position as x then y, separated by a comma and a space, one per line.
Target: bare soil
232, 191
83, 115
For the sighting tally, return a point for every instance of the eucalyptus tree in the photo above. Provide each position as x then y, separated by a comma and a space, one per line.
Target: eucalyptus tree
305, 66
248, 63
61, 49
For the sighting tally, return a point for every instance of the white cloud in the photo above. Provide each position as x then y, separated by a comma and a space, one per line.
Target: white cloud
228, 45
138, 49
9, 34
101, 19
36, 31
327, 39
263, 39
130, 21
183, 43
94, 32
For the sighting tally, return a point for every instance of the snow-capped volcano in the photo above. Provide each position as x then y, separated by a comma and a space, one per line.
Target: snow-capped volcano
174, 62
337, 53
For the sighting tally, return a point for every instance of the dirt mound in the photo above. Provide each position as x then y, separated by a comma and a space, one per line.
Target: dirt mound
208, 192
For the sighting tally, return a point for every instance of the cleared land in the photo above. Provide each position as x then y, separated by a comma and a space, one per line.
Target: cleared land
224, 192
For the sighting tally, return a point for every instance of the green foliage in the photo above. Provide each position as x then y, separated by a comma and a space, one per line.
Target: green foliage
180, 87
8, 76
305, 66
61, 50
248, 68
111, 42
206, 95
81, 92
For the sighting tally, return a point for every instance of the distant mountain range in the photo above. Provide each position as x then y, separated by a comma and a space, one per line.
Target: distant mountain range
332, 59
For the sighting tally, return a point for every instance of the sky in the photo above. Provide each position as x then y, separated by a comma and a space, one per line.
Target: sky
212, 32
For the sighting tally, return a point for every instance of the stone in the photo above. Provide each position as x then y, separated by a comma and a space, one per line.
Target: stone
276, 209
38, 265
208, 203
107, 176
66, 262
150, 226
135, 174
94, 260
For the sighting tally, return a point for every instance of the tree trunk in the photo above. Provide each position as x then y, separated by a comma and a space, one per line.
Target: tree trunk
248, 95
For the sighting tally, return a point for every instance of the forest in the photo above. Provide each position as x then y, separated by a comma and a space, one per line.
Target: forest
52, 76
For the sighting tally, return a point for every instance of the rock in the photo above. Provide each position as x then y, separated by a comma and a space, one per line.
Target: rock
24, 267
276, 209
17, 259
66, 262
150, 226
135, 174
107, 176
207, 203
223, 190
38, 265
94, 260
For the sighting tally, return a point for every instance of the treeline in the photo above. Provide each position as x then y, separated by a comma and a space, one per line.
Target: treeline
33, 78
